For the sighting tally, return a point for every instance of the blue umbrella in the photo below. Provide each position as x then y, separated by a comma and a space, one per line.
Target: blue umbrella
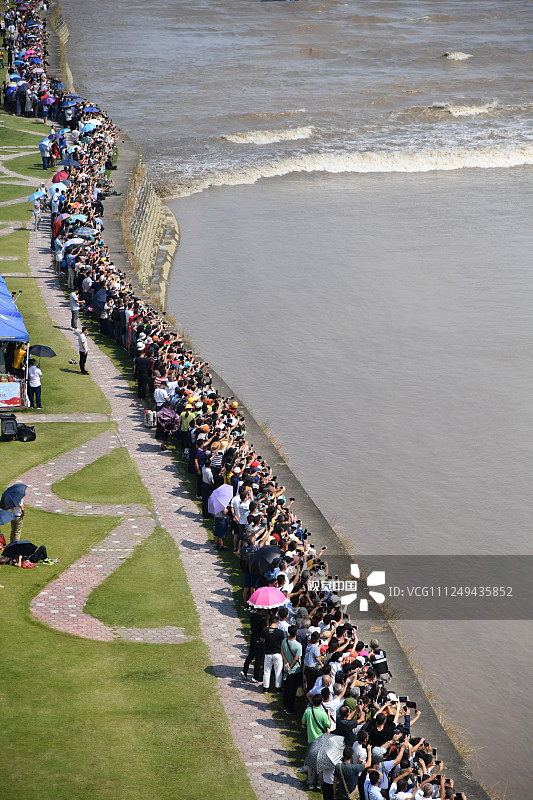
35, 195
77, 218
73, 96
11, 90
60, 186
32, 24
64, 130
13, 495
85, 232
61, 85
6, 516
36, 60
69, 103
18, 62
89, 126
69, 162
90, 109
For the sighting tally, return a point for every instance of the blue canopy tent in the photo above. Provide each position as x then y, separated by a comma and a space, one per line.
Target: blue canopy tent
14, 338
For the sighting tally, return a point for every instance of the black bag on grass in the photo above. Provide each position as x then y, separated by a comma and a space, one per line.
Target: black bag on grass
26, 433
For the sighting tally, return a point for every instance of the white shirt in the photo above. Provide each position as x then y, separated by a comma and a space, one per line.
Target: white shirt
82, 343
334, 704
395, 795
243, 509
207, 475
160, 396
328, 776
34, 376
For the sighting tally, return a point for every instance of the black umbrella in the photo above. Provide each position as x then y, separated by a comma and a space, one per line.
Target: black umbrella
261, 560
20, 548
42, 351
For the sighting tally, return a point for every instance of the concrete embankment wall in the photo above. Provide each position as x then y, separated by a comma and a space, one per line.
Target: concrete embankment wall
151, 234
141, 232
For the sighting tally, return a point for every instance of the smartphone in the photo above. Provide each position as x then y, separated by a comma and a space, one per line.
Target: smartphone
410, 704
403, 699
438, 763
434, 751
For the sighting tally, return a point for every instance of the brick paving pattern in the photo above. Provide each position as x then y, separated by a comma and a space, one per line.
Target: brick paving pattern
254, 731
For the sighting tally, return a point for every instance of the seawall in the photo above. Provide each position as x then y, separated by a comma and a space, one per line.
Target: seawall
141, 232
130, 222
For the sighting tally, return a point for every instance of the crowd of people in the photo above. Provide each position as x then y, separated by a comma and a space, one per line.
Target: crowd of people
306, 644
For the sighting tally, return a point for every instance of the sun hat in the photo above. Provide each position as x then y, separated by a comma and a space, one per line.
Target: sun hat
140, 346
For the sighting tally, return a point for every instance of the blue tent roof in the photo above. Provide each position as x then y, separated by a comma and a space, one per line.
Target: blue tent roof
12, 326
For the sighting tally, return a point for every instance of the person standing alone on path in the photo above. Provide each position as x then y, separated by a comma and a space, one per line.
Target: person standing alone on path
34, 384
74, 302
37, 213
83, 350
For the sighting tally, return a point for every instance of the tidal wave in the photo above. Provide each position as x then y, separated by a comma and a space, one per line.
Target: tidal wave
498, 156
270, 137
464, 111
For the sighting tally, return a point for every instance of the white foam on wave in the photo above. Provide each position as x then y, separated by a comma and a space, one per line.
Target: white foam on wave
465, 111
498, 156
456, 55
270, 137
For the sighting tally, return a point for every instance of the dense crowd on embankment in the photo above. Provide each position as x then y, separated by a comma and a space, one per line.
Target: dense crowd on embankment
358, 731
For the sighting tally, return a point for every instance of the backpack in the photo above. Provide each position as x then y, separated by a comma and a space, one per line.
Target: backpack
26, 433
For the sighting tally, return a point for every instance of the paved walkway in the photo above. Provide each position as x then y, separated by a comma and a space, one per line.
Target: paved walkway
254, 731
29, 417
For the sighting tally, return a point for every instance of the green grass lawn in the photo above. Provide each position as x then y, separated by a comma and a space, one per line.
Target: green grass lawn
23, 123
121, 599
64, 390
19, 212
15, 244
12, 192
87, 485
30, 165
118, 720
22, 139
53, 438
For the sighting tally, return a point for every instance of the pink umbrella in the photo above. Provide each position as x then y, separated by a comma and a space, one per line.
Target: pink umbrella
63, 216
37, 70
59, 176
267, 597
30, 52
